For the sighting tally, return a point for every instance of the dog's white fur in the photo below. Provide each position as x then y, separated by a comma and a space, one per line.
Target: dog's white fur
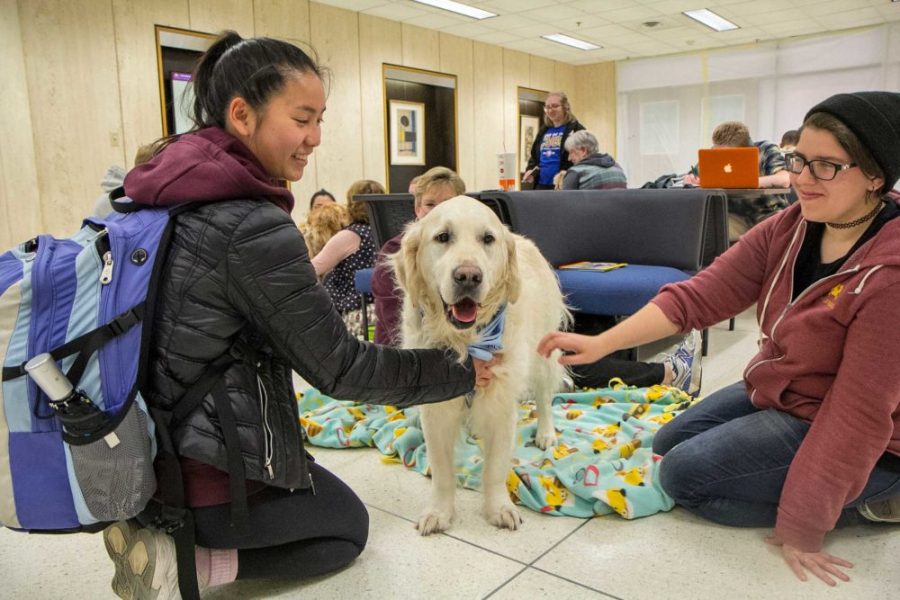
515, 274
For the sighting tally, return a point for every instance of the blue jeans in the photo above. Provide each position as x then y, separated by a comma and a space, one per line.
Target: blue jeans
727, 461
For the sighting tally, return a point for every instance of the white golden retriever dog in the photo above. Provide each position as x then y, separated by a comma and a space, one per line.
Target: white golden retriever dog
458, 268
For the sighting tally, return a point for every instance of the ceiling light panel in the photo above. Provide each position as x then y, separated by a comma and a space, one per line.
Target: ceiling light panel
559, 38
458, 8
710, 19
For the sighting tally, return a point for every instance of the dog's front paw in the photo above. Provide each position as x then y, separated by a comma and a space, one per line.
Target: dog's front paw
434, 521
545, 437
505, 517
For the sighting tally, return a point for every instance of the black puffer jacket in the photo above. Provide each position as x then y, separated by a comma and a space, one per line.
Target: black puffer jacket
237, 280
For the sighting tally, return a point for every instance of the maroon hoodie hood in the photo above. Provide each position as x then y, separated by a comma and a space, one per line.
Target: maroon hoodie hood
209, 165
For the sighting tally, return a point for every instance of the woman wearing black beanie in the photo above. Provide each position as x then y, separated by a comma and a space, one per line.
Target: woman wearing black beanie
810, 439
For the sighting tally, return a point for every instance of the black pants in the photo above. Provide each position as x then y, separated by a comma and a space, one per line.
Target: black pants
293, 535
632, 372
598, 374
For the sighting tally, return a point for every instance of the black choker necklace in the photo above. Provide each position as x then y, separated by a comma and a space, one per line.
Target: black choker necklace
867, 217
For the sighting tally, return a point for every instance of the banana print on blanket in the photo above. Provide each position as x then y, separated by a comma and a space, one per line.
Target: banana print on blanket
602, 463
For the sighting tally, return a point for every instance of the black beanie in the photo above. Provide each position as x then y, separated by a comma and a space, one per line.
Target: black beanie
875, 119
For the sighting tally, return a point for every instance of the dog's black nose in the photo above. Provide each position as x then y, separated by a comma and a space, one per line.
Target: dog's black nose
467, 276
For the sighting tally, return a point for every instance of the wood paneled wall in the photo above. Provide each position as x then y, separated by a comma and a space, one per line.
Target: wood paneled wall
21, 212
78, 83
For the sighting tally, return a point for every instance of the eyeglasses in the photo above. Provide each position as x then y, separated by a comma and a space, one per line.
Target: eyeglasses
551, 106
822, 170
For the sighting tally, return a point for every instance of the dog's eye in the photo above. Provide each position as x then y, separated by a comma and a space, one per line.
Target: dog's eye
488, 239
442, 238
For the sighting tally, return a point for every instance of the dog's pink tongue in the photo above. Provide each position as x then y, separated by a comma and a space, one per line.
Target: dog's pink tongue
464, 311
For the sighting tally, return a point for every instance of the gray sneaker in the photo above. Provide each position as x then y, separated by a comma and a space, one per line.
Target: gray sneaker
881, 511
685, 364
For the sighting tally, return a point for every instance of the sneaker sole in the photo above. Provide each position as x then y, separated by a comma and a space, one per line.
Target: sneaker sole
870, 515
118, 539
140, 580
696, 381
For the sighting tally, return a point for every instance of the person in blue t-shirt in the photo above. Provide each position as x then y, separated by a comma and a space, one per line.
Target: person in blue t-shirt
548, 156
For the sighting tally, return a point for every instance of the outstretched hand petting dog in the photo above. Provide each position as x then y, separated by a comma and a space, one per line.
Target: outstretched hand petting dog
578, 349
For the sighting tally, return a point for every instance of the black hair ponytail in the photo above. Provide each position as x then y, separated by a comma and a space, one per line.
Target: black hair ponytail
254, 69
204, 114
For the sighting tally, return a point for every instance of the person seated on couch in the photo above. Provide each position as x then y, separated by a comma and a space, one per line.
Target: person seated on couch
432, 187
591, 169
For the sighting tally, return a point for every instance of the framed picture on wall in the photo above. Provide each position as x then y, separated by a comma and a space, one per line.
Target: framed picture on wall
177, 53
528, 130
407, 131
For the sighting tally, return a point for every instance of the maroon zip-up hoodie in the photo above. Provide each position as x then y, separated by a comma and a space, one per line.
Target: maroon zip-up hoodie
828, 356
209, 165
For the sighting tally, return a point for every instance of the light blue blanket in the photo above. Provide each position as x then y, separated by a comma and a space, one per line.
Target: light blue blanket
602, 462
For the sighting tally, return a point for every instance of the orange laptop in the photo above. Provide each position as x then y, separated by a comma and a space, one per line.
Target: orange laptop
729, 167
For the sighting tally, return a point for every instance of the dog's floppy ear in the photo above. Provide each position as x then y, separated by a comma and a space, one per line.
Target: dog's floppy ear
406, 269
513, 279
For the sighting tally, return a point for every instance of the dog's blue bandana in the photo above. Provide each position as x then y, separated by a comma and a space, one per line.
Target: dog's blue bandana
489, 338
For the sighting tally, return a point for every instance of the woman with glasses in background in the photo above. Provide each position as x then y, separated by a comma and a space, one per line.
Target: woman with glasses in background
548, 155
810, 439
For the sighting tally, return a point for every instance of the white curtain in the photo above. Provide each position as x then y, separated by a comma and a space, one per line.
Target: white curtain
668, 106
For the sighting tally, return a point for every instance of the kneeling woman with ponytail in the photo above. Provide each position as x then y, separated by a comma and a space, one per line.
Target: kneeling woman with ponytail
238, 282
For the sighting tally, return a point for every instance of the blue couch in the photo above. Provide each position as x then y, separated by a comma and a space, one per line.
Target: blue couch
663, 235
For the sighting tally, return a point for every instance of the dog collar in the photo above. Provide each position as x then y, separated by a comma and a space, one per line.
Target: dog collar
490, 337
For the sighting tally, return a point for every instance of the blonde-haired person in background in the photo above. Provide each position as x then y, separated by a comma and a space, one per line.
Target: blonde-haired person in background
548, 156
351, 249
432, 187
324, 223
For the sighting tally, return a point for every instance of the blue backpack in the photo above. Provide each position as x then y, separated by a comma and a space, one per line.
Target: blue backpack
78, 308
84, 300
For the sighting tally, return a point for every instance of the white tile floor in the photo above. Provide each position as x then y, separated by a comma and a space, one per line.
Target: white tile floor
671, 555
